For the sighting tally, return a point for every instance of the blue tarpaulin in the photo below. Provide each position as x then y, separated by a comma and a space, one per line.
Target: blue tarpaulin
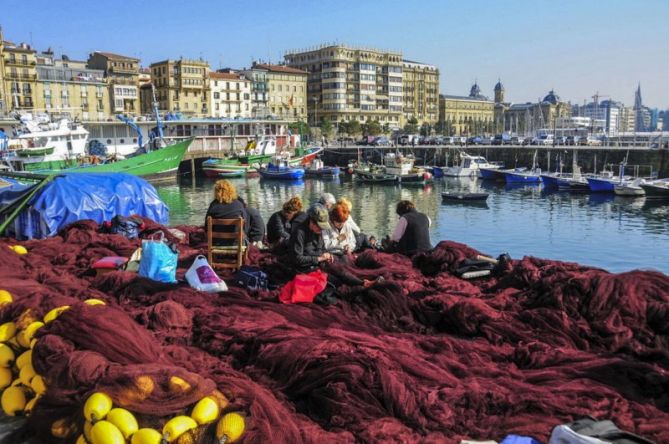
72, 197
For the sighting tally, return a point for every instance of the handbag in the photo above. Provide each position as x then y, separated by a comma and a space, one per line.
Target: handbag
159, 259
252, 278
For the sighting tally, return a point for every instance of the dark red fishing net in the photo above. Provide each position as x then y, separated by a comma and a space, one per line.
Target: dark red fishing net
423, 356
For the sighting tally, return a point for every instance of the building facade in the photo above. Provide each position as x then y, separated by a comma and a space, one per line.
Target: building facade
287, 91
122, 75
259, 92
347, 83
525, 119
420, 87
470, 115
19, 76
67, 88
182, 86
230, 94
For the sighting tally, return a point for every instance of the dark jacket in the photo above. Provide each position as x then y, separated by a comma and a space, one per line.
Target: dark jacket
278, 228
233, 210
416, 237
305, 247
255, 227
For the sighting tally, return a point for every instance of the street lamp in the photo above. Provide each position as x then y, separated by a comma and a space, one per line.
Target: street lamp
315, 110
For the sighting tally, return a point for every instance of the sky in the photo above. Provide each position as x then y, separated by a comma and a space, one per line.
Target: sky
577, 47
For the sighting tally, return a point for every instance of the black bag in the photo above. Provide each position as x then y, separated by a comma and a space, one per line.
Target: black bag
130, 227
473, 265
252, 278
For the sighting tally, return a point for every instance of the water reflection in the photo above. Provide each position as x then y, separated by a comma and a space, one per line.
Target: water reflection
603, 230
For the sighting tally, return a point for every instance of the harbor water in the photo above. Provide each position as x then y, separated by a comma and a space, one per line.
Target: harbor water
606, 231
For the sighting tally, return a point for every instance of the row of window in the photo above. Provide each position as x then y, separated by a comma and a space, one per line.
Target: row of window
287, 88
236, 85
227, 109
192, 82
237, 96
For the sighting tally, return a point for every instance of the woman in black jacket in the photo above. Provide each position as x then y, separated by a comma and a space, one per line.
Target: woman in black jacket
225, 206
280, 223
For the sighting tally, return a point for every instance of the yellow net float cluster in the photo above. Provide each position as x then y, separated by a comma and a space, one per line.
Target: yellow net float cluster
106, 424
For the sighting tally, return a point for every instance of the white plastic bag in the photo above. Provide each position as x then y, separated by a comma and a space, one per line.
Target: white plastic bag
202, 277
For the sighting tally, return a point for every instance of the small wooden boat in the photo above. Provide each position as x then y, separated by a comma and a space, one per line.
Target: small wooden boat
280, 169
318, 170
628, 190
463, 196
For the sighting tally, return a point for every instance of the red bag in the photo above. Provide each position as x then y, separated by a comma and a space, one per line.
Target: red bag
304, 287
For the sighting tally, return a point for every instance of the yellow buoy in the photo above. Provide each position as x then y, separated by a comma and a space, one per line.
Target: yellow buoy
81, 440
5, 298
104, 432
54, 313
30, 330
7, 331
38, 385
24, 359
6, 356
205, 411
176, 384
87, 430
31, 405
19, 249
97, 406
230, 427
146, 436
124, 421
26, 374
21, 339
61, 428
13, 400
94, 301
177, 426
32, 343
5, 377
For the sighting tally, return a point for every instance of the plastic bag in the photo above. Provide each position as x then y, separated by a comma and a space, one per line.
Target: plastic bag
159, 260
252, 278
202, 277
304, 287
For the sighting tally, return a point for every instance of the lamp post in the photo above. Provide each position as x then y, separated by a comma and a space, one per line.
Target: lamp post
315, 110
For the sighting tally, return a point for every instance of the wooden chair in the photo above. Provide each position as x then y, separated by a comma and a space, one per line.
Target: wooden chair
223, 256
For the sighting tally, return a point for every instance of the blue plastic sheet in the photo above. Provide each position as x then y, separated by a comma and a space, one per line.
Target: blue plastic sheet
73, 197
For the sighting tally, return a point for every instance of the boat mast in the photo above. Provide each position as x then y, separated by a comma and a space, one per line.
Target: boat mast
159, 125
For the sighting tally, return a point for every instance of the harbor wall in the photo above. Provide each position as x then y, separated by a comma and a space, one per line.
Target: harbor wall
588, 158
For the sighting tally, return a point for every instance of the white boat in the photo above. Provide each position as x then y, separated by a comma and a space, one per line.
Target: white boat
629, 189
44, 145
469, 166
398, 164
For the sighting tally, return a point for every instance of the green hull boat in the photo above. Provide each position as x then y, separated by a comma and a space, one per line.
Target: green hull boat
160, 162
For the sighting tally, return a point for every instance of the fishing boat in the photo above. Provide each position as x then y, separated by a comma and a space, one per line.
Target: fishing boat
495, 174
396, 164
656, 189
280, 169
469, 166
317, 169
214, 168
304, 156
516, 176
375, 174
630, 189
463, 196
241, 164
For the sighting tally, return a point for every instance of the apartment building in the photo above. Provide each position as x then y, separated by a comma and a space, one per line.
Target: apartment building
182, 86
230, 94
122, 75
348, 83
68, 88
18, 76
420, 86
287, 91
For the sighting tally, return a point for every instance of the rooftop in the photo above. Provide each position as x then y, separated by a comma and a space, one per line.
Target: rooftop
279, 68
111, 55
227, 76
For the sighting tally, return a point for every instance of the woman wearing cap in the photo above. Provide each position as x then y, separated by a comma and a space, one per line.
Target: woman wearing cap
306, 247
225, 206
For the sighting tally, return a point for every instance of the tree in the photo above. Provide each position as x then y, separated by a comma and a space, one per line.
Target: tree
412, 126
344, 128
326, 127
299, 127
372, 128
425, 129
386, 128
354, 128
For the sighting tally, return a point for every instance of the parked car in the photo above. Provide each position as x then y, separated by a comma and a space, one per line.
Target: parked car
515, 140
476, 140
593, 141
380, 141
571, 140
527, 141
501, 139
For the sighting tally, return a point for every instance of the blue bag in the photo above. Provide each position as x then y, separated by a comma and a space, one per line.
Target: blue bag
252, 278
159, 260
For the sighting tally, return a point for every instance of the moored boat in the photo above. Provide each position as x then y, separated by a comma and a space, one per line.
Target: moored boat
375, 176
495, 174
631, 189
317, 169
463, 196
656, 189
280, 169
214, 168
470, 166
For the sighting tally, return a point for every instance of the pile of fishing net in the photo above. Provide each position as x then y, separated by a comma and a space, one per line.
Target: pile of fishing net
422, 356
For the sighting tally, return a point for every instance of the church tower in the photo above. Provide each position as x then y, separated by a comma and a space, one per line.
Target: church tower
499, 92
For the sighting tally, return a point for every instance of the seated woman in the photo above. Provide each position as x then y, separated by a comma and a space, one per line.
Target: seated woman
280, 223
340, 238
225, 206
362, 241
254, 226
412, 232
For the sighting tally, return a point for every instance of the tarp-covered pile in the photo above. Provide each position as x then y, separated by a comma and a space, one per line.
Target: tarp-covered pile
422, 357
77, 196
